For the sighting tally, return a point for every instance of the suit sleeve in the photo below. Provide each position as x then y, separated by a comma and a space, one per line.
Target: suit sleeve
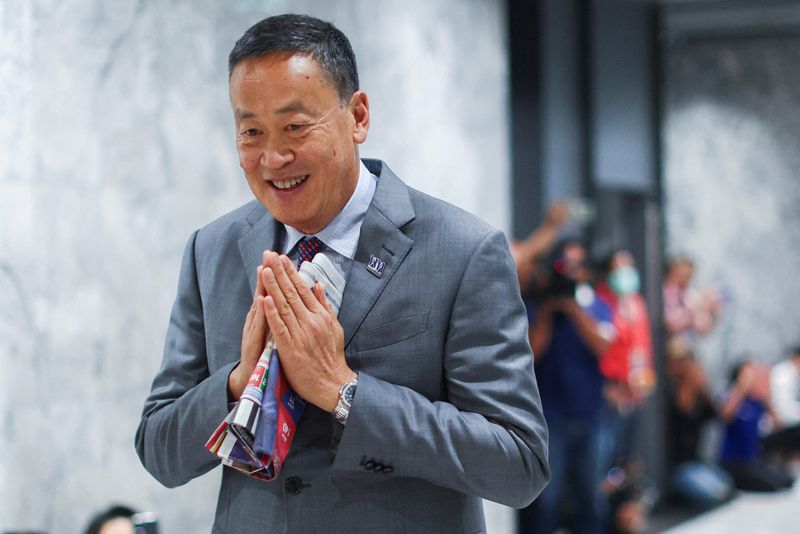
185, 404
489, 438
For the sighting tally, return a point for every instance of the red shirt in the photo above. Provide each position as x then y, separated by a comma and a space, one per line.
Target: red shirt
629, 357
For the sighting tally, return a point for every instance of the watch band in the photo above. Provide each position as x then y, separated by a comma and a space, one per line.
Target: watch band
346, 394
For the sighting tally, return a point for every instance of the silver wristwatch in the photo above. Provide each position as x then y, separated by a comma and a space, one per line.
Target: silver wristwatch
346, 394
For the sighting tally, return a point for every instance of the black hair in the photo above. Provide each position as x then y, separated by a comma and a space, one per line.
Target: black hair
605, 263
113, 512
301, 34
560, 247
737, 368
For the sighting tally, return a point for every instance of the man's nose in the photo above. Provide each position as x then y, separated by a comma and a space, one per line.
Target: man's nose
276, 156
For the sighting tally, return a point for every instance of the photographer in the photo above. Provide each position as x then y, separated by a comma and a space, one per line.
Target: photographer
743, 407
570, 330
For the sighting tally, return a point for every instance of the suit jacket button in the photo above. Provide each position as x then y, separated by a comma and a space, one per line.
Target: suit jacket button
294, 485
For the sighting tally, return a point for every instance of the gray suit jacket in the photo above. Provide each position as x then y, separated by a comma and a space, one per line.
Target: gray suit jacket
447, 409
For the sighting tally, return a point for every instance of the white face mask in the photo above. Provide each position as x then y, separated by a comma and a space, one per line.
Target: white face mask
624, 281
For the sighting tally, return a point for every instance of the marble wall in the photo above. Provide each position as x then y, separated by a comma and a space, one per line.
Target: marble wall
731, 185
117, 142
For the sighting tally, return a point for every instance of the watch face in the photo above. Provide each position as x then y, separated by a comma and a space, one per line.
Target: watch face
348, 394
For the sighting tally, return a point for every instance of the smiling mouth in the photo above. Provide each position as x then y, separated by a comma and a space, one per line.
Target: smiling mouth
285, 185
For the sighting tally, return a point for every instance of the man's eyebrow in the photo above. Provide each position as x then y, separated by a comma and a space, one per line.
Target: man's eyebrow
243, 114
292, 107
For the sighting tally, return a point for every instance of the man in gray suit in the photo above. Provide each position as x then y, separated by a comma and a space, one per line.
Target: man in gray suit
422, 397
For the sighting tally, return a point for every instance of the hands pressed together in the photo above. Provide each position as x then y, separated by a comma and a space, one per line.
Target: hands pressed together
309, 338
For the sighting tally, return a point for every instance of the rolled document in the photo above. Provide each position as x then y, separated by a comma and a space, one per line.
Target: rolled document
245, 419
246, 439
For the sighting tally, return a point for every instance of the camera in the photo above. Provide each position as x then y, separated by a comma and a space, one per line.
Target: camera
561, 283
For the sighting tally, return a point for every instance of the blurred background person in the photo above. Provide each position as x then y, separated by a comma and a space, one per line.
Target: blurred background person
784, 440
693, 481
688, 312
785, 395
743, 407
627, 363
117, 519
570, 330
785, 388
627, 366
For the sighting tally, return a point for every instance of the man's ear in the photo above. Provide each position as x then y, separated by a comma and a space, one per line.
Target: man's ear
359, 107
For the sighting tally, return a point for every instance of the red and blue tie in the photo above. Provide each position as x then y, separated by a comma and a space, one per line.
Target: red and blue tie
307, 248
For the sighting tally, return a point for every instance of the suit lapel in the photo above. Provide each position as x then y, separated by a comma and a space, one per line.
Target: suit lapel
380, 237
264, 234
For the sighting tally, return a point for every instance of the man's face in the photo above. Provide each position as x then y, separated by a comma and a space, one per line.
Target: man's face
683, 272
622, 259
575, 257
297, 143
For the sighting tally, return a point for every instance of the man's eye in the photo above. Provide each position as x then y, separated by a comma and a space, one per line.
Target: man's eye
252, 132
293, 127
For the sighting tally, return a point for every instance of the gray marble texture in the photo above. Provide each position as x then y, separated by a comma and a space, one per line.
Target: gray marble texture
732, 189
117, 141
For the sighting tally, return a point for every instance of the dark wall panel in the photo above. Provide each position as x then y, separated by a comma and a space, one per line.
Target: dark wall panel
622, 146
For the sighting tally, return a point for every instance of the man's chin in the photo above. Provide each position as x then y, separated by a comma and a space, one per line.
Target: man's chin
290, 217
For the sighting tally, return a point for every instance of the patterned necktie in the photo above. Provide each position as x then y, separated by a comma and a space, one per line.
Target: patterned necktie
307, 248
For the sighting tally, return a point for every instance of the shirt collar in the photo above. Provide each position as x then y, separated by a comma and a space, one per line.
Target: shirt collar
341, 234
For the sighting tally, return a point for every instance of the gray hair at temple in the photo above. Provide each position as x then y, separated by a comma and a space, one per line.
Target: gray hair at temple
301, 34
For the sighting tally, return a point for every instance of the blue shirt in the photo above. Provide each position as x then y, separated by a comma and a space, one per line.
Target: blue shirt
568, 372
741, 442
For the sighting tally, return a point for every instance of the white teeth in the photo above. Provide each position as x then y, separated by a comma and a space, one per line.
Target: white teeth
286, 184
